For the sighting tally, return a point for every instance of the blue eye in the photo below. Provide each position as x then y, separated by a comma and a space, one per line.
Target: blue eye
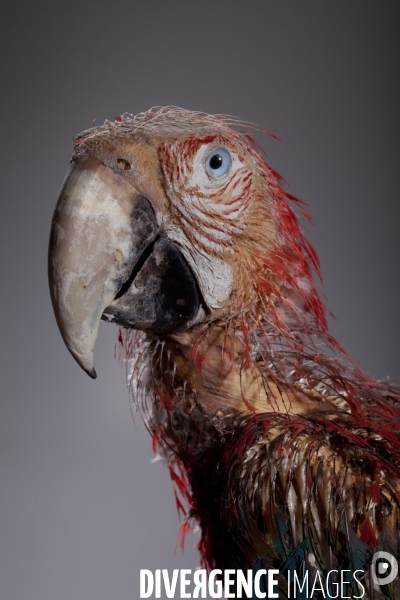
218, 162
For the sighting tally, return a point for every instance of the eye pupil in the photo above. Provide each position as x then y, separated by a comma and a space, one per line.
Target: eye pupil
215, 161
219, 162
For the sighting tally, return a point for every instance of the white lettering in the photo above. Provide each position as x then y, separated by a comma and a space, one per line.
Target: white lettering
272, 583
146, 576
228, 582
185, 582
343, 582
236, 584
243, 584
305, 583
158, 583
257, 591
319, 589
329, 587
200, 580
215, 587
359, 583
170, 587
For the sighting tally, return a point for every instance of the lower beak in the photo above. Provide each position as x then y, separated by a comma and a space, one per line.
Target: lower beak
107, 259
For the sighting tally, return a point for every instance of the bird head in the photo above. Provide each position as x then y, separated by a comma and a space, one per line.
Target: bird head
170, 220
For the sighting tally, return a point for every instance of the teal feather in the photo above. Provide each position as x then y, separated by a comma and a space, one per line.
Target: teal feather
296, 563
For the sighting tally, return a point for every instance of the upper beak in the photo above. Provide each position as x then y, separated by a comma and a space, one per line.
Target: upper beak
106, 253
90, 253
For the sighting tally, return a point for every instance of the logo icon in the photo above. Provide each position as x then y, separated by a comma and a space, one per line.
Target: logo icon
386, 570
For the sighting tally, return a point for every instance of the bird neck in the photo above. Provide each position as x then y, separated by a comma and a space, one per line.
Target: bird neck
215, 368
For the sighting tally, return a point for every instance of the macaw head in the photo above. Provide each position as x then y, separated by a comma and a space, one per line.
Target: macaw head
169, 220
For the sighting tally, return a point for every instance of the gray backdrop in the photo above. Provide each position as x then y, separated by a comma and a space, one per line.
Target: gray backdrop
81, 507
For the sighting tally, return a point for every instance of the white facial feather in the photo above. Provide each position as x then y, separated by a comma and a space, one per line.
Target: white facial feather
204, 225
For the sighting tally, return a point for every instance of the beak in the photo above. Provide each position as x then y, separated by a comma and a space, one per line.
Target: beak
108, 259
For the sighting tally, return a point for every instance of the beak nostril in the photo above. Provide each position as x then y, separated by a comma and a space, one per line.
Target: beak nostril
123, 164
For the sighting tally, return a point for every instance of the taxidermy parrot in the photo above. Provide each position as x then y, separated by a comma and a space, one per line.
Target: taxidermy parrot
280, 447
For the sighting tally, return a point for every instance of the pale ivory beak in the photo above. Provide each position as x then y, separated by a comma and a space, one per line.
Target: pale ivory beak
91, 252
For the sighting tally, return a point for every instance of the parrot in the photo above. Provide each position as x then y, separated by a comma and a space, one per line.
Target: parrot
281, 448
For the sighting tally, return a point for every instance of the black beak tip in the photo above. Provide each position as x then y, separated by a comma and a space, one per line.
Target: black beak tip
92, 373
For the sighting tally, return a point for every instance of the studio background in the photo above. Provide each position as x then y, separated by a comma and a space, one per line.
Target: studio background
82, 509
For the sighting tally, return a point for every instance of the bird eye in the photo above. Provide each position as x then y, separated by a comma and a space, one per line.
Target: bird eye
218, 162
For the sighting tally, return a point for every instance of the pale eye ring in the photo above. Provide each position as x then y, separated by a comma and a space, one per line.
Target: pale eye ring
219, 162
